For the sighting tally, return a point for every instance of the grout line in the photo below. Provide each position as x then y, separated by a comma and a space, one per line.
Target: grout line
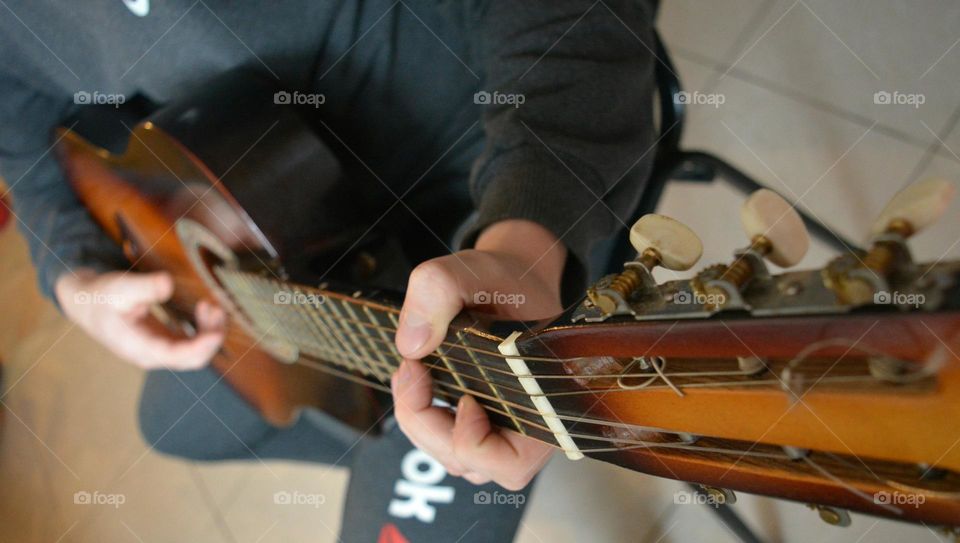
801, 98
935, 148
741, 43
208, 500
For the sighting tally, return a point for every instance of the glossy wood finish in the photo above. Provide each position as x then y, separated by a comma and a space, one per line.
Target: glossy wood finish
136, 198
841, 419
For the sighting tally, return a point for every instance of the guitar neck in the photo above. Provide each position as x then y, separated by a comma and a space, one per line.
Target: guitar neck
352, 336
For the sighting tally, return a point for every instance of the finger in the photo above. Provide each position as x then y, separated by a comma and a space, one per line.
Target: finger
209, 316
430, 427
507, 458
433, 298
476, 478
138, 289
150, 348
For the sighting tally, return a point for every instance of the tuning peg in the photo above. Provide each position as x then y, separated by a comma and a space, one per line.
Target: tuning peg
775, 227
914, 208
665, 242
858, 281
776, 233
659, 241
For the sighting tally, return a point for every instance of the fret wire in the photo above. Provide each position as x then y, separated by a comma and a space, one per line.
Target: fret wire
346, 361
372, 317
449, 365
338, 354
462, 338
316, 315
391, 311
481, 395
340, 321
385, 369
318, 334
259, 318
289, 321
332, 355
325, 313
494, 409
263, 312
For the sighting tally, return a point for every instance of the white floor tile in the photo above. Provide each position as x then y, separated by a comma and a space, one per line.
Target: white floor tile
843, 173
712, 29
844, 52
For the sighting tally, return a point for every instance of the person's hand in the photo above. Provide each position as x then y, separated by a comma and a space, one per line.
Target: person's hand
519, 259
114, 309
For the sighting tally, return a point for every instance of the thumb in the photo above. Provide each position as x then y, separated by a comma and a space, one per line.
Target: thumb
432, 300
136, 289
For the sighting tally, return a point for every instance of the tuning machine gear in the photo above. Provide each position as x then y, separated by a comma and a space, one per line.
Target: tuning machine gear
659, 241
866, 277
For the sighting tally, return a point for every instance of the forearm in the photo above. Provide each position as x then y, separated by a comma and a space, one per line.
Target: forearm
575, 154
60, 233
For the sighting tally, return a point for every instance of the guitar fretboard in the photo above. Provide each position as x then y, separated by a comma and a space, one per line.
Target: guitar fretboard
357, 335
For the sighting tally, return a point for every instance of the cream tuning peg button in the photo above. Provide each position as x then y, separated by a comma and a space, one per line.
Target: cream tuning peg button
915, 207
775, 226
670, 243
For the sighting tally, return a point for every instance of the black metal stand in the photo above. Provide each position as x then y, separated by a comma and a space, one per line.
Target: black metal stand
731, 520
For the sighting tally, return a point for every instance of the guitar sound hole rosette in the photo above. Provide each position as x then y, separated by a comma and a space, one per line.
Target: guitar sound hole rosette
197, 240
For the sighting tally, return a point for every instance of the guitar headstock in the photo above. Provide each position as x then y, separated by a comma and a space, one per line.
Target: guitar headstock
792, 383
883, 275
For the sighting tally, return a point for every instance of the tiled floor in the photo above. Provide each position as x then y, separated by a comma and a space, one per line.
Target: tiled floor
798, 79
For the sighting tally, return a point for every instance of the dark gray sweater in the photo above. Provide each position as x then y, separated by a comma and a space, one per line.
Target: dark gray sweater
584, 70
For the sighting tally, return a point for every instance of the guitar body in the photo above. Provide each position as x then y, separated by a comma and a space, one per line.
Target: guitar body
209, 161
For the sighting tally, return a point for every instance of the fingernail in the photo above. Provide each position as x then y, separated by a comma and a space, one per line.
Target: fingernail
414, 332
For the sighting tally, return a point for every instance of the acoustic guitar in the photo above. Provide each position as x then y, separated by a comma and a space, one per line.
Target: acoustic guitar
837, 387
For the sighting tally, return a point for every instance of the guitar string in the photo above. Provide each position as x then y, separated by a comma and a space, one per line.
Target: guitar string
755, 382
344, 299
520, 407
624, 444
630, 443
651, 377
594, 391
353, 335
532, 424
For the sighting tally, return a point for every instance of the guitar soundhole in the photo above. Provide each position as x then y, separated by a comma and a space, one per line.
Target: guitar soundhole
205, 252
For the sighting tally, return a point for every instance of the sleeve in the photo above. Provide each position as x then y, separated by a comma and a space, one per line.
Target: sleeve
61, 234
568, 117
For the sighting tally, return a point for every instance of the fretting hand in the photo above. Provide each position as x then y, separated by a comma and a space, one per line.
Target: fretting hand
518, 260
